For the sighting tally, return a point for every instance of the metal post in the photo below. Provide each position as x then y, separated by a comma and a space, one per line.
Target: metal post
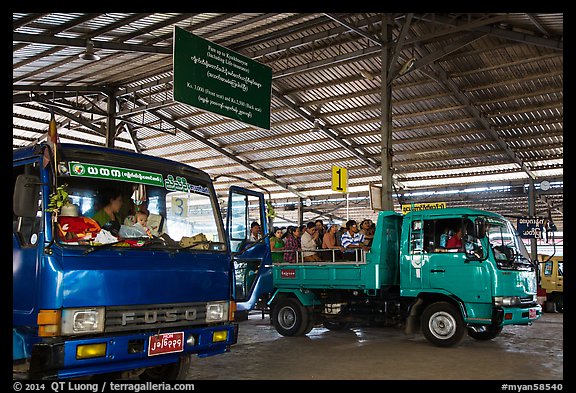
532, 213
347, 207
386, 117
111, 118
300, 211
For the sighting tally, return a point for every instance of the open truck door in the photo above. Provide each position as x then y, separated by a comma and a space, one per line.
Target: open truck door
252, 258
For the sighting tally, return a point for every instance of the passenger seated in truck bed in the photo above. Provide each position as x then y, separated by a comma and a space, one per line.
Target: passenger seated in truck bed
329, 243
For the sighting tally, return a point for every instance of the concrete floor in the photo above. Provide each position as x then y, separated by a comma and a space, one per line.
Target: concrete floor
520, 353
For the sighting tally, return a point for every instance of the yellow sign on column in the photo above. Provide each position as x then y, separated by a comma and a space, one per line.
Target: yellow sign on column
339, 179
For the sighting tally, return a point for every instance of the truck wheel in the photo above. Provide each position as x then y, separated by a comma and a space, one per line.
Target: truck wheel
311, 321
442, 324
172, 371
488, 333
241, 315
559, 301
290, 317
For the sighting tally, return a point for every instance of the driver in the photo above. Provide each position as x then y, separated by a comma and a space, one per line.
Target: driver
111, 199
455, 241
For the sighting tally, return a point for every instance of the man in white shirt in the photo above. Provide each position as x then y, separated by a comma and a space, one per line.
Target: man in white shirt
352, 239
308, 243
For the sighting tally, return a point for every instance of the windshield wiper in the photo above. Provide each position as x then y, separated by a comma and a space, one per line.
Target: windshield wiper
101, 247
146, 242
194, 244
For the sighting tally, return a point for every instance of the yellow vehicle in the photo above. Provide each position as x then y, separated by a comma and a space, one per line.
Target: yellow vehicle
551, 281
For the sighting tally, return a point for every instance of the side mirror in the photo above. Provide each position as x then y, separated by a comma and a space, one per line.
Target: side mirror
25, 199
480, 227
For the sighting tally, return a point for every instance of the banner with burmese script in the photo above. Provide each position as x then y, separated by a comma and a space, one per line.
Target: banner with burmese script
422, 206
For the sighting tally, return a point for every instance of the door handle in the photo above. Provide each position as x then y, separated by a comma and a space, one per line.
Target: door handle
437, 270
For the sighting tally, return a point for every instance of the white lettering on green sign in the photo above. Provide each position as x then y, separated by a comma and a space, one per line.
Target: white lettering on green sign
181, 184
80, 169
216, 79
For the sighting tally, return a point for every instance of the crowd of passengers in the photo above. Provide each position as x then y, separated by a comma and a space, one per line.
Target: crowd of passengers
315, 241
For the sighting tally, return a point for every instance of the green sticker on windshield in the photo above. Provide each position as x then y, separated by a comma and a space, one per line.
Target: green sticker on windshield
115, 173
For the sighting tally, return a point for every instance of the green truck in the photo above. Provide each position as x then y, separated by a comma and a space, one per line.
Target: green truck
408, 279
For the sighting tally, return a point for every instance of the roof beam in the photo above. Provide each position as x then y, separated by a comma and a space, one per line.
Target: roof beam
62, 112
453, 29
550, 43
333, 134
537, 24
355, 29
432, 57
475, 112
400, 42
27, 19
81, 43
234, 157
52, 32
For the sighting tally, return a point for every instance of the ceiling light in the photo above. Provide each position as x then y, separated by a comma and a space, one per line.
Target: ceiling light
407, 66
89, 54
317, 126
365, 74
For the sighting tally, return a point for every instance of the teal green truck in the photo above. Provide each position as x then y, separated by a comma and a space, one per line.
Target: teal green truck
410, 279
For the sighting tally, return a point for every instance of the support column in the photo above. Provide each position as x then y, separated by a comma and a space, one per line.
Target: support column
111, 119
386, 117
532, 213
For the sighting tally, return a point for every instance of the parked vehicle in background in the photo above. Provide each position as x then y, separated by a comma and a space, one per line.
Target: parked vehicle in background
552, 282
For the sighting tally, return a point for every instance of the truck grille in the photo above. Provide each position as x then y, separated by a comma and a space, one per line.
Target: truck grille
154, 316
527, 301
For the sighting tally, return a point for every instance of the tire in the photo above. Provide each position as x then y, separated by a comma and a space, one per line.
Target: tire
559, 302
290, 318
167, 372
442, 324
241, 315
488, 333
311, 321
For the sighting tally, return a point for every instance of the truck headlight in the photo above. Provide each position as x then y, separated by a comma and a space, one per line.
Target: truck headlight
217, 312
82, 320
506, 301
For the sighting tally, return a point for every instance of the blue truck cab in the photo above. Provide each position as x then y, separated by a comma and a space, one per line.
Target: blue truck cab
111, 297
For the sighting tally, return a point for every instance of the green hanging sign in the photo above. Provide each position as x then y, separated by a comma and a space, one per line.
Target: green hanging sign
213, 78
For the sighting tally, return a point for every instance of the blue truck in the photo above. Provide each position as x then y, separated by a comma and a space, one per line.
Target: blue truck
93, 299
409, 278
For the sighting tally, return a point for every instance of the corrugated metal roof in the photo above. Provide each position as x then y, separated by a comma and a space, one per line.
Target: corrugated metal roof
482, 106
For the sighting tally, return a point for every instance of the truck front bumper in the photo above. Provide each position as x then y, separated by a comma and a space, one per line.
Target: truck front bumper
58, 358
502, 316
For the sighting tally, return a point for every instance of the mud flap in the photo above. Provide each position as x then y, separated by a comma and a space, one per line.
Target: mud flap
413, 320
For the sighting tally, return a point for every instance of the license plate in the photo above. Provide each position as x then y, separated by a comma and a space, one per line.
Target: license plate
532, 313
165, 343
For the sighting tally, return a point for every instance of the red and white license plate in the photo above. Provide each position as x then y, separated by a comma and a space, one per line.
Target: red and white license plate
165, 343
532, 313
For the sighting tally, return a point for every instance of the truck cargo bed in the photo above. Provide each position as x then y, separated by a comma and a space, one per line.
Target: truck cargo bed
341, 275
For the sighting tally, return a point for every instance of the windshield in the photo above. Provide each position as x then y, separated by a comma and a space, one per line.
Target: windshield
118, 206
509, 250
